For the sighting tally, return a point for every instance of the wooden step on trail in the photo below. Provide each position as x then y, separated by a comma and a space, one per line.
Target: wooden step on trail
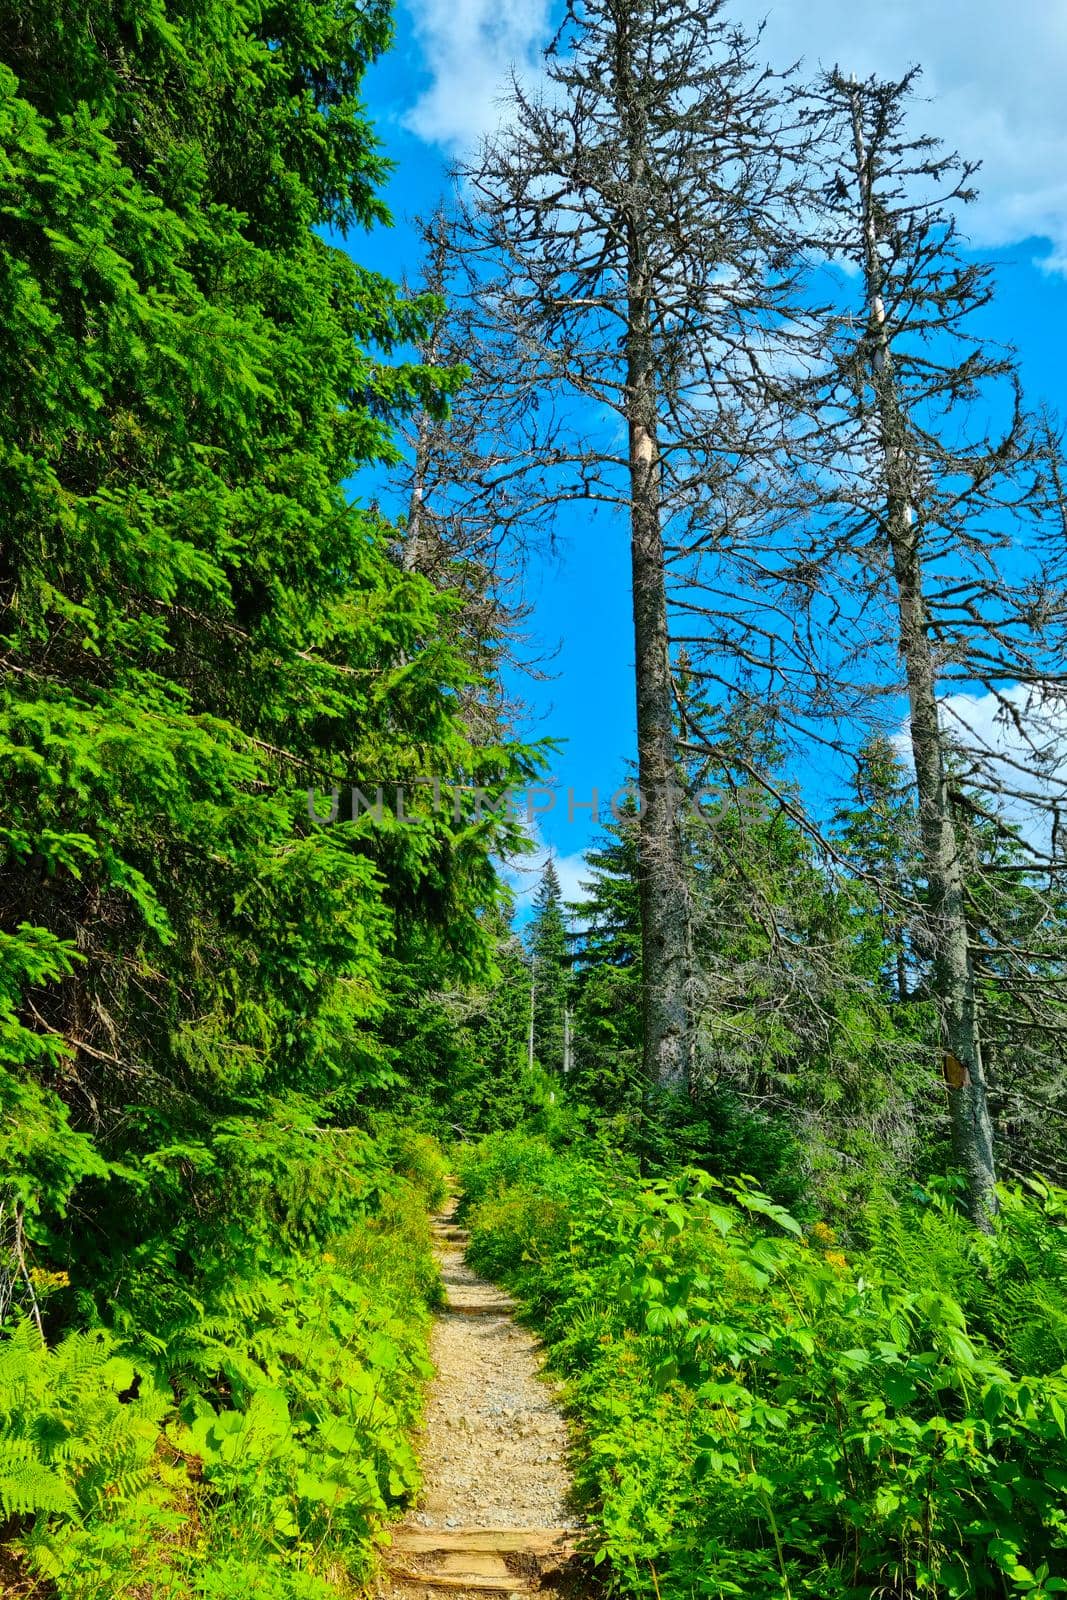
477, 1558
502, 1581
478, 1308
541, 1542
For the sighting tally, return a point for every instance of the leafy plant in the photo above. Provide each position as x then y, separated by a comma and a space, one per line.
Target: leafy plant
761, 1412
256, 1442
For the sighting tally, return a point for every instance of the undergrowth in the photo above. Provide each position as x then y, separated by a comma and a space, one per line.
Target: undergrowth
761, 1412
235, 1424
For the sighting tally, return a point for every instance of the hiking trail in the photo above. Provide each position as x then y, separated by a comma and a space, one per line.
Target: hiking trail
492, 1514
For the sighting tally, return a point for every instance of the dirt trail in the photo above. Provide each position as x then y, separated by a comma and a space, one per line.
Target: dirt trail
492, 1514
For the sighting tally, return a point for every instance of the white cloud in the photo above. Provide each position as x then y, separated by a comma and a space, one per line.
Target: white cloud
523, 873
1018, 740
573, 872
994, 77
994, 73
470, 48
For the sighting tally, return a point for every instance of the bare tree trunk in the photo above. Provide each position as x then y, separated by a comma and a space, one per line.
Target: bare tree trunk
530, 1040
665, 914
411, 555
972, 1129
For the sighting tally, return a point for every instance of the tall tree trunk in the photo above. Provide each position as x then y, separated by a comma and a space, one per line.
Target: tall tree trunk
411, 555
665, 914
417, 553
531, 1033
972, 1129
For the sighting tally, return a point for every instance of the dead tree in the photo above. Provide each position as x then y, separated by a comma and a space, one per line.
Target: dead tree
887, 556
473, 519
628, 221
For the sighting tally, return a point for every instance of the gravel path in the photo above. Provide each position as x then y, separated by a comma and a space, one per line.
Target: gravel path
494, 1443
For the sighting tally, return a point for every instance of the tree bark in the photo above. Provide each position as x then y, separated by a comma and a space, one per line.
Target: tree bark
413, 556
531, 1032
971, 1125
665, 914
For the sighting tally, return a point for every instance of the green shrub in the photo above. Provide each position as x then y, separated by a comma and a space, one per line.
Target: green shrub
420, 1158
759, 1413
513, 1229
250, 1436
505, 1161
395, 1246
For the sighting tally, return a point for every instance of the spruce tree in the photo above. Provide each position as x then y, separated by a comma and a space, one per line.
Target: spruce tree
879, 833
607, 969
198, 623
550, 976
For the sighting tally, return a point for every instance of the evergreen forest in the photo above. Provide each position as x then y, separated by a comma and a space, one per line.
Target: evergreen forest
762, 1124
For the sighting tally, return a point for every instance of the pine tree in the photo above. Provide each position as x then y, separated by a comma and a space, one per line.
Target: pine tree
607, 967
197, 622
1017, 922
796, 1021
550, 977
460, 1051
880, 836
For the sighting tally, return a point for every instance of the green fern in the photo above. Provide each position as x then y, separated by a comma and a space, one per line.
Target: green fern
27, 1485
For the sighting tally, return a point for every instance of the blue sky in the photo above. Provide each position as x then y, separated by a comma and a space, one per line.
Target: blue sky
994, 78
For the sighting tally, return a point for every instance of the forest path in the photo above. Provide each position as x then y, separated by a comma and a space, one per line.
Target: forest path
492, 1513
